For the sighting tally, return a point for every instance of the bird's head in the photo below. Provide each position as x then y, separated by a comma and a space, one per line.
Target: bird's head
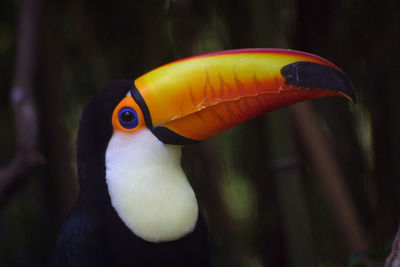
193, 99
135, 128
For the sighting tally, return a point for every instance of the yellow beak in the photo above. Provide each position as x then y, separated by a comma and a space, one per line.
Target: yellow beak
196, 98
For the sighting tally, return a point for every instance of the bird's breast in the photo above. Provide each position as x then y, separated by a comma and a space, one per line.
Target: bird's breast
148, 188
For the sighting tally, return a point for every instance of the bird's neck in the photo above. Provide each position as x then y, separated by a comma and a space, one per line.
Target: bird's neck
148, 187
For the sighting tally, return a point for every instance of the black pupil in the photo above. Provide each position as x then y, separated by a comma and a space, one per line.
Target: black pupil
127, 116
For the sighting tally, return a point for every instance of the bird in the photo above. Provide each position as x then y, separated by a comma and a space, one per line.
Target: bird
135, 206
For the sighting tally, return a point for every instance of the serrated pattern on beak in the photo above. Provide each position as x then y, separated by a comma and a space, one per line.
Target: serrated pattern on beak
201, 96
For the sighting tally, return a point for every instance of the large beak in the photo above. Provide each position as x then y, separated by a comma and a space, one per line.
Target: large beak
196, 98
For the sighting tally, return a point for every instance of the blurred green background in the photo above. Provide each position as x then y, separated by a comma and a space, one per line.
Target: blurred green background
272, 196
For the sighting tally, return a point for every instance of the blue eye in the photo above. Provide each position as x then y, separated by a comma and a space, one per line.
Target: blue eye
128, 118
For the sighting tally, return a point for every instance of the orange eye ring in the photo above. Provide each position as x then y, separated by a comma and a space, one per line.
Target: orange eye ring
133, 116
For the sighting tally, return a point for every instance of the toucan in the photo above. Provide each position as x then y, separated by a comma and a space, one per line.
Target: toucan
136, 206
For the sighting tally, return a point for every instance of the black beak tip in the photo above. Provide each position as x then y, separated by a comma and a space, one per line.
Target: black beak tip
317, 76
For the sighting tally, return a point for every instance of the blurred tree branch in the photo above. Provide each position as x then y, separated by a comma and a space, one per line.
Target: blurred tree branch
27, 155
393, 259
331, 177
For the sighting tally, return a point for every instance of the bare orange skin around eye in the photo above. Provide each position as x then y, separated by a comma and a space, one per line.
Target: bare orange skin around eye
127, 102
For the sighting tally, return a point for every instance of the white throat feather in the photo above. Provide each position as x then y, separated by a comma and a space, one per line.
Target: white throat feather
148, 187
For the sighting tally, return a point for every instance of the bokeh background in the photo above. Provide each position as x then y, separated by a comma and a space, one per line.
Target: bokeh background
316, 184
